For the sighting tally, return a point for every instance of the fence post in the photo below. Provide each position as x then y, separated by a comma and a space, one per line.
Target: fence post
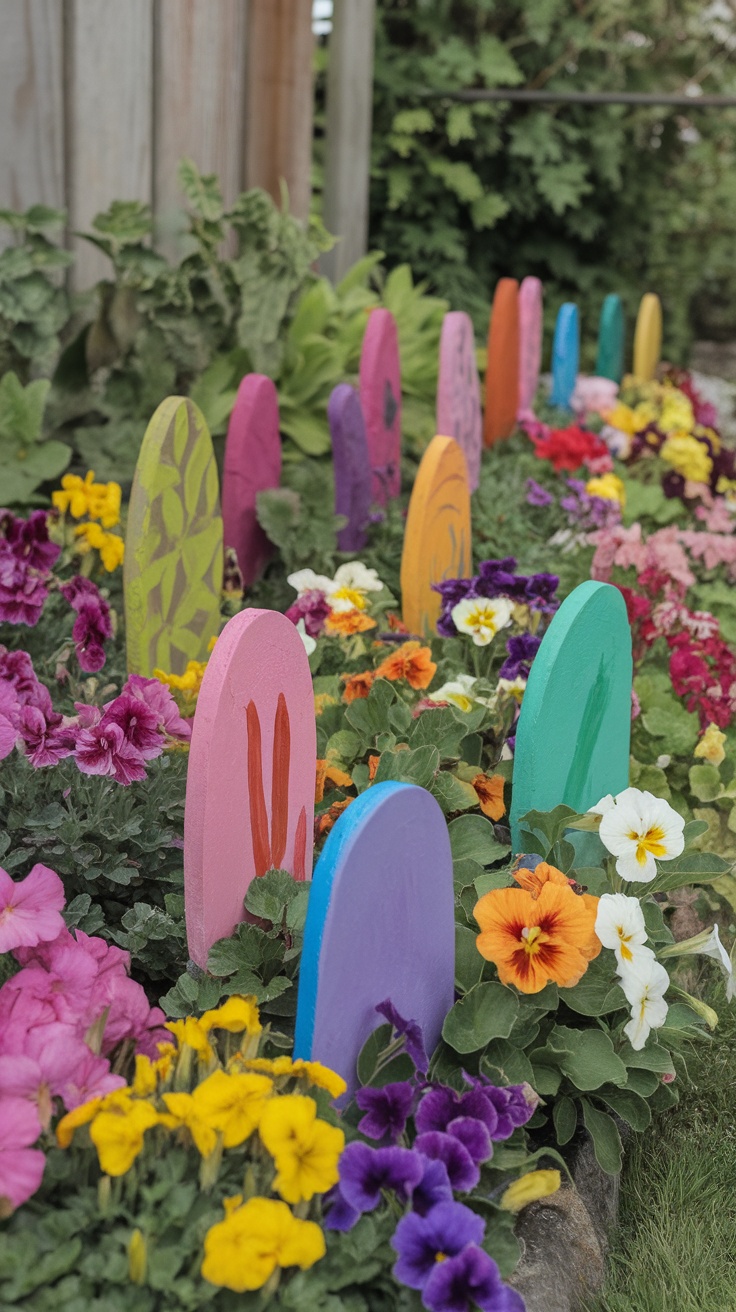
279, 100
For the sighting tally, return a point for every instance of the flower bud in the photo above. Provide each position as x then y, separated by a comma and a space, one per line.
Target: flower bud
137, 1258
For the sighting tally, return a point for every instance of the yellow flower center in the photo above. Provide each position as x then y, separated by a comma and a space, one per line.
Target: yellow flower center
624, 939
356, 599
651, 841
531, 944
440, 1257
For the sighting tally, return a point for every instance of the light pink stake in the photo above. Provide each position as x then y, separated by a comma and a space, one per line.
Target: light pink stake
380, 397
250, 782
458, 391
252, 465
530, 344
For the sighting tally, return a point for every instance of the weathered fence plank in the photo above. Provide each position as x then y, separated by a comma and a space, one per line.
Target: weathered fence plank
31, 105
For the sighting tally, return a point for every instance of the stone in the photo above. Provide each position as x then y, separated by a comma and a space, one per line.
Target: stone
611, 338
380, 397
502, 375
530, 345
437, 538
351, 464
647, 338
565, 355
458, 391
252, 465
562, 1264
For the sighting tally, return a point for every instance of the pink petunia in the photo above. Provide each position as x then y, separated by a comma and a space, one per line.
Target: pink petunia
91, 1078
159, 700
138, 722
46, 740
30, 910
21, 1167
105, 750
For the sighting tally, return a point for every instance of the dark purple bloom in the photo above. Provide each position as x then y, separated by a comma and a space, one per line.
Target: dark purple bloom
521, 652
468, 1280
462, 1171
673, 485
440, 1106
474, 1136
422, 1242
138, 722
92, 626
340, 1216
536, 495
411, 1032
16, 670
46, 740
22, 589
496, 578
433, 1188
386, 1110
312, 607
365, 1172
105, 750
540, 590
514, 1105
29, 539
158, 699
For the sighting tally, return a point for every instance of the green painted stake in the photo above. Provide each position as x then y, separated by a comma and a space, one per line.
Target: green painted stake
573, 735
611, 334
172, 577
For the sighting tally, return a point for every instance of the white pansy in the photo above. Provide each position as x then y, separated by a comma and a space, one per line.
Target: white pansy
514, 687
619, 924
706, 944
604, 805
309, 642
482, 617
645, 984
458, 691
305, 580
347, 591
639, 831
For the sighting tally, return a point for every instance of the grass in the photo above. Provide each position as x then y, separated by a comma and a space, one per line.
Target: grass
675, 1248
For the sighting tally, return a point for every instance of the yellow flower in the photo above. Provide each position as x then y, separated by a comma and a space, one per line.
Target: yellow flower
117, 1134
236, 1015
529, 1189
688, 457
623, 418
270, 1065
185, 1112
321, 1076
243, 1251
677, 412
110, 546
233, 1104
306, 1150
188, 683
87, 1111
710, 746
192, 1032
644, 413
104, 503
75, 495
322, 700
608, 486
145, 1080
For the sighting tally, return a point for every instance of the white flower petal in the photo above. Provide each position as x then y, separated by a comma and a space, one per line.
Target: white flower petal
305, 580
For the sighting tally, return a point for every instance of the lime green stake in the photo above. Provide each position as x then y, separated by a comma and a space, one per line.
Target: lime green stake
173, 544
611, 334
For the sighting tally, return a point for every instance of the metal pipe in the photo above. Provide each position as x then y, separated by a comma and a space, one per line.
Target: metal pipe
587, 98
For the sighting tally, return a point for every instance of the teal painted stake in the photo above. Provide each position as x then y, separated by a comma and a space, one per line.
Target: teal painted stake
565, 355
573, 735
611, 335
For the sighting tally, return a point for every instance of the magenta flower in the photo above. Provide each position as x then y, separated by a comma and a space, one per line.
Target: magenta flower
29, 539
30, 910
105, 750
22, 590
92, 626
8, 734
46, 739
138, 722
21, 1167
157, 697
312, 607
90, 1078
423, 1241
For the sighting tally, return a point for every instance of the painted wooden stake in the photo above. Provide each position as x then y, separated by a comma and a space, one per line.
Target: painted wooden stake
252, 465
380, 397
565, 355
172, 577
572, 739
530, 345
611, 334
502, 376
380, 925
437, 539
647, 338
250, 781
351, 464
458, 391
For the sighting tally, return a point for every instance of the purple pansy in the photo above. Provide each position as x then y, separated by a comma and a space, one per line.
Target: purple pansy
462, 1171
365, 1172
433, 1188
522, 648
410, 1031
421, 1242
474, 1137
340, 1215
312, 607
514, 1105
468, 1280
441, 1105
536, 495
386, 1109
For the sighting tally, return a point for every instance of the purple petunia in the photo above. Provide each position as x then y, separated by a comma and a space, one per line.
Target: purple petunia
410, 1031
514, 1105
157, 697
441, 1105
536, 495
104, 749
312, 607
386, 1109
340, 1215
138, 723
22, 589
28, 539
421, 1242
45, 738
468, 1280
365, 1172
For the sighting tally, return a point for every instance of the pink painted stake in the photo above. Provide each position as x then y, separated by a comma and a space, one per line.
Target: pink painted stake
530, 344
250, 783
380, 397
458, 391
252, 465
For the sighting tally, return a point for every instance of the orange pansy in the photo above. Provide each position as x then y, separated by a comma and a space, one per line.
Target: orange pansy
324, 822
357, 685
534, 880
395, 623
347, 622
411, 661
372, 767
329, 773
532, 940
490, 794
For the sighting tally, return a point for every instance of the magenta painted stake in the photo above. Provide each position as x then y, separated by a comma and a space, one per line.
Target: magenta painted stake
252, 465
380, 397
458, 391
530, 344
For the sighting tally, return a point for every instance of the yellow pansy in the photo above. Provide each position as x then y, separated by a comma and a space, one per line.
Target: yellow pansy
321, 1076
608, 486
677, 412
688, 457
710, 747
86, 1112
306, 1150
104, 503
236, 1015
192, 1033
644, 414
243, 1251
233, 1104
185, 1112
75, 494
110, 546
623, 418
529, 1189
188, 683
145, 1080
118, 1133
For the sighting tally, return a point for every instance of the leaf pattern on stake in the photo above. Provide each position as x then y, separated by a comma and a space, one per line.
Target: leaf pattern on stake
258, 816
280, 782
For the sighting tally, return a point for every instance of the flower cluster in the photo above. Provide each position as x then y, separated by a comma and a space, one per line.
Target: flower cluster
92, 626
337, 607
620, 926
464, 601
211, 1095
27, 557
64, 1014
410, 663
570, 448
98, 504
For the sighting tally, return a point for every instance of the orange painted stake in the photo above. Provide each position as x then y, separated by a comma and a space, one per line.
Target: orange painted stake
502, 376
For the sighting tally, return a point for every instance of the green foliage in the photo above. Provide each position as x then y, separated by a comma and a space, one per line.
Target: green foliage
34, 306
592, 199
26, 460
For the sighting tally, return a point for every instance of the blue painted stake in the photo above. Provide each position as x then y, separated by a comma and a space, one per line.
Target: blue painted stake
565, 355
611, 335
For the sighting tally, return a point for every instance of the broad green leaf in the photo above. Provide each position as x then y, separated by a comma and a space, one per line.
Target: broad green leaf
605, 1136
565, 1117
487, 1012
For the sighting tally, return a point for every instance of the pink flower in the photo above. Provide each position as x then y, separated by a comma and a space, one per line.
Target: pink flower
138, 722
91, 1078
8, 735
92, 626
21, 1168
30, 910
105, 750
22, 590
67, 987
158, 699
593, 395
46, 740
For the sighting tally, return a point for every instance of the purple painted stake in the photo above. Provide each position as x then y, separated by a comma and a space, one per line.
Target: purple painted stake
351, 464
458, 391
252, 465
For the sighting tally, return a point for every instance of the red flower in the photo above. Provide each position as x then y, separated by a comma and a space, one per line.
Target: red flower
569, 448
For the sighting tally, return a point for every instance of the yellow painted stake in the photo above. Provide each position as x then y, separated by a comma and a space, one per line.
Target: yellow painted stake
647, 338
